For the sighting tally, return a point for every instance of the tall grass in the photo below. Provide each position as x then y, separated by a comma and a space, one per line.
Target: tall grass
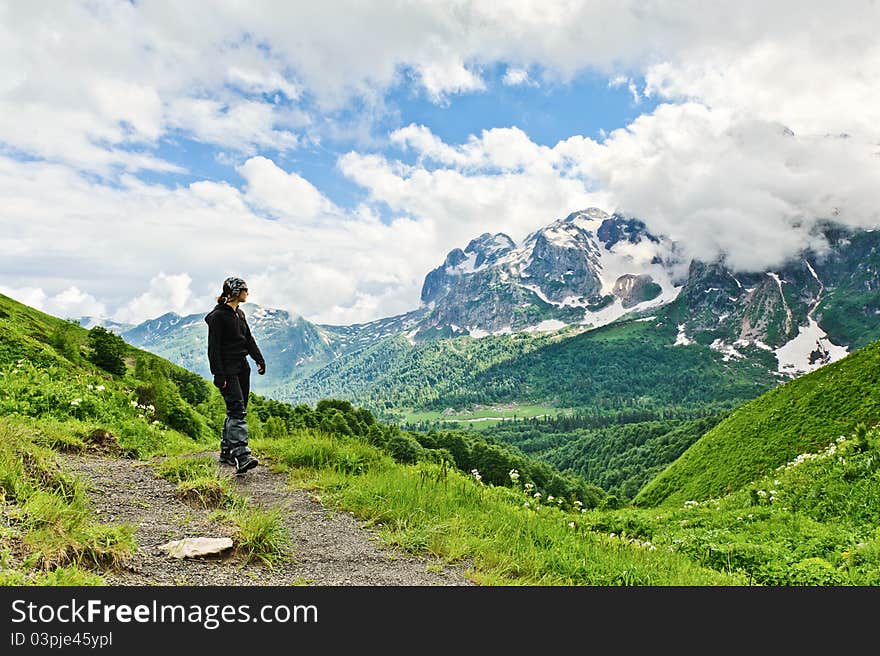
47, 509
429, 508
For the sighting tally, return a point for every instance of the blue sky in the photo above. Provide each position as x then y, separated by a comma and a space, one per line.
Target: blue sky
551, 112
332, 154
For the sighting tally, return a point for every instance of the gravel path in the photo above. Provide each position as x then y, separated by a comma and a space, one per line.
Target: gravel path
328, 547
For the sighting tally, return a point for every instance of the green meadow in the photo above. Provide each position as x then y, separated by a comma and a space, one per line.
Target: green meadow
798, 506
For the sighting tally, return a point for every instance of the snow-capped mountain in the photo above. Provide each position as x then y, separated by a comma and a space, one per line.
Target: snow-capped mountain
813, 310
292, 346
588, 268
584, 271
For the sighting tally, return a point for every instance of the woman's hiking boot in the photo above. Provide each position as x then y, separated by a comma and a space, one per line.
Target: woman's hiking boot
226, 457
244, 462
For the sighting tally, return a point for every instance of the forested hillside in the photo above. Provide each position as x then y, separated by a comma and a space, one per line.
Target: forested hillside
813, 520
806, 414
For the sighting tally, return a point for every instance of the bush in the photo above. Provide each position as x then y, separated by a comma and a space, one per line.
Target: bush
108, 350
64, 339
405, 449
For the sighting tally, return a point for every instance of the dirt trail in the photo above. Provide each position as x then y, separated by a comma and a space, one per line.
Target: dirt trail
328, 547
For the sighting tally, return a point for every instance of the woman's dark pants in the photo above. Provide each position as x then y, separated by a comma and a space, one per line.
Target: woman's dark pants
234, 438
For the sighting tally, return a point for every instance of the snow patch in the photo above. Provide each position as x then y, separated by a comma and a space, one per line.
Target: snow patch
468, 266
546, 326
794, 356
682, 339
729, 352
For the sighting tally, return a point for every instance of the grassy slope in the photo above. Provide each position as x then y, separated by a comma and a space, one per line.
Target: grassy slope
815, 523
803, 415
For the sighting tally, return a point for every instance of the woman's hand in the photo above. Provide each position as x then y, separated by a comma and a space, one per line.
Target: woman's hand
220, 382
261, 368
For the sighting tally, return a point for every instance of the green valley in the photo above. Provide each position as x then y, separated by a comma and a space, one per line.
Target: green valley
780, 489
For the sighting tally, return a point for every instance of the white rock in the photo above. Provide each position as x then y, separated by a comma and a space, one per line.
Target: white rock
193, 547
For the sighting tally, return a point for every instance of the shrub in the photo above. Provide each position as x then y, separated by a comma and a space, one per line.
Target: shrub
108, 350
64, 339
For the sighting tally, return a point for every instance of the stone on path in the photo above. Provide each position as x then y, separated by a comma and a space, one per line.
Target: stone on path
194, 547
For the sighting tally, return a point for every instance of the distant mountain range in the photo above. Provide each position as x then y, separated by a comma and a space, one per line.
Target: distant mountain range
584, 271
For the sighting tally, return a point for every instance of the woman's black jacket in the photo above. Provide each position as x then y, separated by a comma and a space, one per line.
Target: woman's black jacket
229, 339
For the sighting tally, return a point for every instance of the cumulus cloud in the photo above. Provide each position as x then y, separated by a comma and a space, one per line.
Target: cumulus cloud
285, 195
181, 243
69, 303
166, 293
722, 184
743, 154
516, 76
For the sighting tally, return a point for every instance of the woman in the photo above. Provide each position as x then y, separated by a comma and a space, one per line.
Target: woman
229, 343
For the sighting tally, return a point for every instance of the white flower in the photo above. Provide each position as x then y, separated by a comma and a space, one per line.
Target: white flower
100, 388
571, 524
134, 404
578, 503
76, 401
537, 495
514, 474
155, 422
550, 498
90, 386
527, 504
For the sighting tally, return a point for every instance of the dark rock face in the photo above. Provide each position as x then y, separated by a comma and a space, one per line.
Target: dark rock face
634, 289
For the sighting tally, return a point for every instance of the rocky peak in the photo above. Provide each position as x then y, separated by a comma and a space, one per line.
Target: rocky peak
488, 248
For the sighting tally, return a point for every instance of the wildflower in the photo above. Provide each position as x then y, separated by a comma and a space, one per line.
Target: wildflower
529, 486
76, 401
537, 495
476, 475
583, 510
571, 524
90, 386
514, 475
612, 535
151, 408
550, 498
134, 404
527, 504
100, 388
155, 422
578, 503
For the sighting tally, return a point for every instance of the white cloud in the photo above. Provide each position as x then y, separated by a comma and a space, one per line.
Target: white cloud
69, 303
724, 184
95, 86
179, 244
508, 149
516, 76
166, 293
445, 77
244, 124
286, 195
